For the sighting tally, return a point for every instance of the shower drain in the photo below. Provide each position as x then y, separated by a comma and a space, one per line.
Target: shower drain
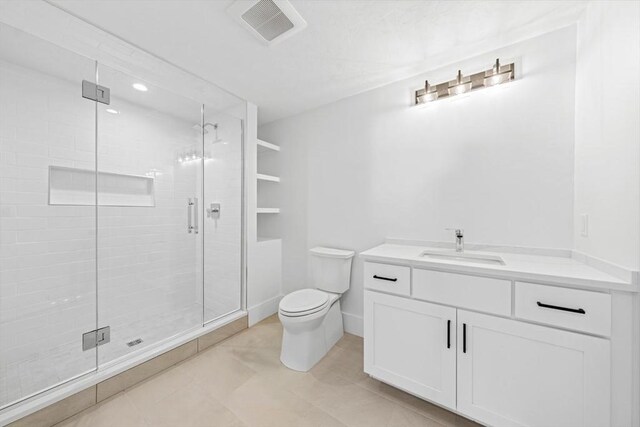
134, 342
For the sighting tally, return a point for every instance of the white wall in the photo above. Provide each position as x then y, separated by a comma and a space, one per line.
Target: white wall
607, 168
498, 163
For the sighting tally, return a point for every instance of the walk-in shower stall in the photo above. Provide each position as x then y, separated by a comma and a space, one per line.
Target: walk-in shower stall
121, 214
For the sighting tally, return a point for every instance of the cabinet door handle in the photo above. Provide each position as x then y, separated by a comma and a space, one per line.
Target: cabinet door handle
448, 333
464, 337
557, 307
395, 279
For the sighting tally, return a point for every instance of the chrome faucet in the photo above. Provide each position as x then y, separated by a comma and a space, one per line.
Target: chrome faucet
459, 238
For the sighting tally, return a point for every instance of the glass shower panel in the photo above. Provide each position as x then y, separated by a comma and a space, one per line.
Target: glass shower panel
47, 216
222, 223
149, 235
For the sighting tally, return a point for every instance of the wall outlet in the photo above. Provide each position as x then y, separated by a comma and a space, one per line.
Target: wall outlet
584, 225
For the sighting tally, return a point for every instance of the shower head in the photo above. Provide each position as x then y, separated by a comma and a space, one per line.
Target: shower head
205, 131
198, 127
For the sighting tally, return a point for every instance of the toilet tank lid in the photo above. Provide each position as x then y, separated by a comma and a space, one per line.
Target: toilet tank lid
332, 253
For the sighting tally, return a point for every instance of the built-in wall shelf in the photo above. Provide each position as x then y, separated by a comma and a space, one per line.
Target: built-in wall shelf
72, 186
264, 146
264, 239
268, 210
263, 177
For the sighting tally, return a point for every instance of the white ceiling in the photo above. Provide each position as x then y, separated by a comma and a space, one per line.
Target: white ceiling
349, 46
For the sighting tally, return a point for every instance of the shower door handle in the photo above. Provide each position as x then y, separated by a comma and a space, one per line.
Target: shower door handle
192, 215
195, 215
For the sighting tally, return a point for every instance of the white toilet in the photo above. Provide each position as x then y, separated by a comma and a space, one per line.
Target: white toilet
311, 318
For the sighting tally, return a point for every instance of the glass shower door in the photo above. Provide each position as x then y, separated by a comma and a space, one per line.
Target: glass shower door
47, 215
222, 224
149, 214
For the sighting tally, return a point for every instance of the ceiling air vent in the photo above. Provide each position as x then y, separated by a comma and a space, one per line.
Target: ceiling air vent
270, 21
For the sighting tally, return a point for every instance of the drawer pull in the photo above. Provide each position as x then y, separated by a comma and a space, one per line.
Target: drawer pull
375, 276
448, 333
556, 307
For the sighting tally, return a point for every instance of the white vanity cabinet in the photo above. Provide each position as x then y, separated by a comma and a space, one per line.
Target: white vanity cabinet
412, 345
512, 373
481, 360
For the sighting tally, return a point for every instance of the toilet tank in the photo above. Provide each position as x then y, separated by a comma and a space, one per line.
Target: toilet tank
331, 269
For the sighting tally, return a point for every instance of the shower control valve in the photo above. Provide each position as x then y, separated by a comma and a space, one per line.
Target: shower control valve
214, 211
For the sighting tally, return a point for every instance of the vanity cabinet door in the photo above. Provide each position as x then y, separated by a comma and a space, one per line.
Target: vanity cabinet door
512, 373
411, 345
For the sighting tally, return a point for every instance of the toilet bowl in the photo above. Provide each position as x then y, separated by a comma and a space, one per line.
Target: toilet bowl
311, 318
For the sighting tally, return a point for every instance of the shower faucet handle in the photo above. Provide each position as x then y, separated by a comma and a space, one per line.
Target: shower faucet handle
213, 211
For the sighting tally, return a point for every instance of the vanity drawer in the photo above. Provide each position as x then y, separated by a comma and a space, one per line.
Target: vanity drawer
575, 309
472, 292
395, 279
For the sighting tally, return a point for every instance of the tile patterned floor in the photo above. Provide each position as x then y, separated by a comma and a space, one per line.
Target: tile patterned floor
241, 382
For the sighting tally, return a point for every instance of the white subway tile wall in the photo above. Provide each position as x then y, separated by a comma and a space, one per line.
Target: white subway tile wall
47, 253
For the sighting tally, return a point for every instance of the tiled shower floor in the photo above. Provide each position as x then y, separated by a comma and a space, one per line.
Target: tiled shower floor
58, 364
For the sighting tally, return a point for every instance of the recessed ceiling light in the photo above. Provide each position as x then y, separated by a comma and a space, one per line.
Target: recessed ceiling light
140, 87
112, 111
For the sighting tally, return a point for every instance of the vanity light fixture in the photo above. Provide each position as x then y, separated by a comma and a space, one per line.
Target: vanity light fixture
496, 75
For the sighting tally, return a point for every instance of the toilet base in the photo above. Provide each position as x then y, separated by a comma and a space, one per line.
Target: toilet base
304, 344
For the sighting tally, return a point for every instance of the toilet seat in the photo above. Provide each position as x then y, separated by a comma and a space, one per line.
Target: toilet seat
304, 302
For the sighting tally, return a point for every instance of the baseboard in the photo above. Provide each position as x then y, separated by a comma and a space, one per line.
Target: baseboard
263, 310
353, 324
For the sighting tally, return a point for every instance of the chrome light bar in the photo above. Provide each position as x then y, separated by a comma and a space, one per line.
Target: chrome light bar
496, 75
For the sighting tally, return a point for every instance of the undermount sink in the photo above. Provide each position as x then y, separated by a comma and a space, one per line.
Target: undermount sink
464, 257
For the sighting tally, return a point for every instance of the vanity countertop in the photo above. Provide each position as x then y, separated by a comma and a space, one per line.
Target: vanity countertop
553, 270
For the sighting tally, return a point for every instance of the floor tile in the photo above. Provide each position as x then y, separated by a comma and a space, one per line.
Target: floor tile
146, 394
217, 372
259, 403
241, 382
190, 406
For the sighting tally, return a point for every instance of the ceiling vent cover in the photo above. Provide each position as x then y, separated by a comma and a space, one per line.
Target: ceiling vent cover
270, 21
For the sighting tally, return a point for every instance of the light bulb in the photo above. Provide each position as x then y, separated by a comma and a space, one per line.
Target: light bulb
460, 86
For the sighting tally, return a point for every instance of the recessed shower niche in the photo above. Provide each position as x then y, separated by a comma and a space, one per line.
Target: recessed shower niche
71, 186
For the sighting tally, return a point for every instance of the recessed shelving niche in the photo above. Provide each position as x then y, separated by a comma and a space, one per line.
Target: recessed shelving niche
263, 177
264, 146
268, 210
268, 194
71, 186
